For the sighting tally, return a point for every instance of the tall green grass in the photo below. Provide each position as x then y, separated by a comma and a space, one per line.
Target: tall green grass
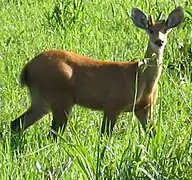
102, 30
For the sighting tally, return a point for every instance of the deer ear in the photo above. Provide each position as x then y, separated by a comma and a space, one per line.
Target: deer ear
175, 17
139, 18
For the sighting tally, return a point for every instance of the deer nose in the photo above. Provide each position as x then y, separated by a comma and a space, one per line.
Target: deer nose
159, 42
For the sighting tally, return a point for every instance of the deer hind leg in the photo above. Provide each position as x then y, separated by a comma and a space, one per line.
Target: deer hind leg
109, 120
60, 112
35, 112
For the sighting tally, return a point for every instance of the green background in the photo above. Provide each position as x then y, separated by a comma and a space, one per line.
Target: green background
103, 30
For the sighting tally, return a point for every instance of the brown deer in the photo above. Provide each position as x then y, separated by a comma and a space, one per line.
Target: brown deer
57, 80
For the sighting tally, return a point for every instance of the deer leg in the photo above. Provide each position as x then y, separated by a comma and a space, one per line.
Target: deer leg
36, 111
109, 120
60, 117
144, 115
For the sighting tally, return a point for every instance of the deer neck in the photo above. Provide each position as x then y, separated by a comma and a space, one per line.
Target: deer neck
151, 67
158, 52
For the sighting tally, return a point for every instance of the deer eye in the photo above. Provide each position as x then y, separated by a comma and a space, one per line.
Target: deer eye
151, 31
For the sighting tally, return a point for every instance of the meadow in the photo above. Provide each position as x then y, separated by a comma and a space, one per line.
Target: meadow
102, 30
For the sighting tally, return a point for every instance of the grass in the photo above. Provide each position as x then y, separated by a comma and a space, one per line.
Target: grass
103, 30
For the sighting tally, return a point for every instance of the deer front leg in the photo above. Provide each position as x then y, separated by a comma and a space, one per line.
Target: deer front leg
145, 115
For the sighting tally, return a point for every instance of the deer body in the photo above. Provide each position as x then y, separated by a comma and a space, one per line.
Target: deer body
59, 79
87, 82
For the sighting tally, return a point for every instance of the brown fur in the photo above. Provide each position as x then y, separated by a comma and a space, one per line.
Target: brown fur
82, 80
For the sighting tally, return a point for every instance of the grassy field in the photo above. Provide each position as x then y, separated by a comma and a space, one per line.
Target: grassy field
102, 30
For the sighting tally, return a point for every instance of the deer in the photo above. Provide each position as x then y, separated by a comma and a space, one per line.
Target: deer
59, 79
